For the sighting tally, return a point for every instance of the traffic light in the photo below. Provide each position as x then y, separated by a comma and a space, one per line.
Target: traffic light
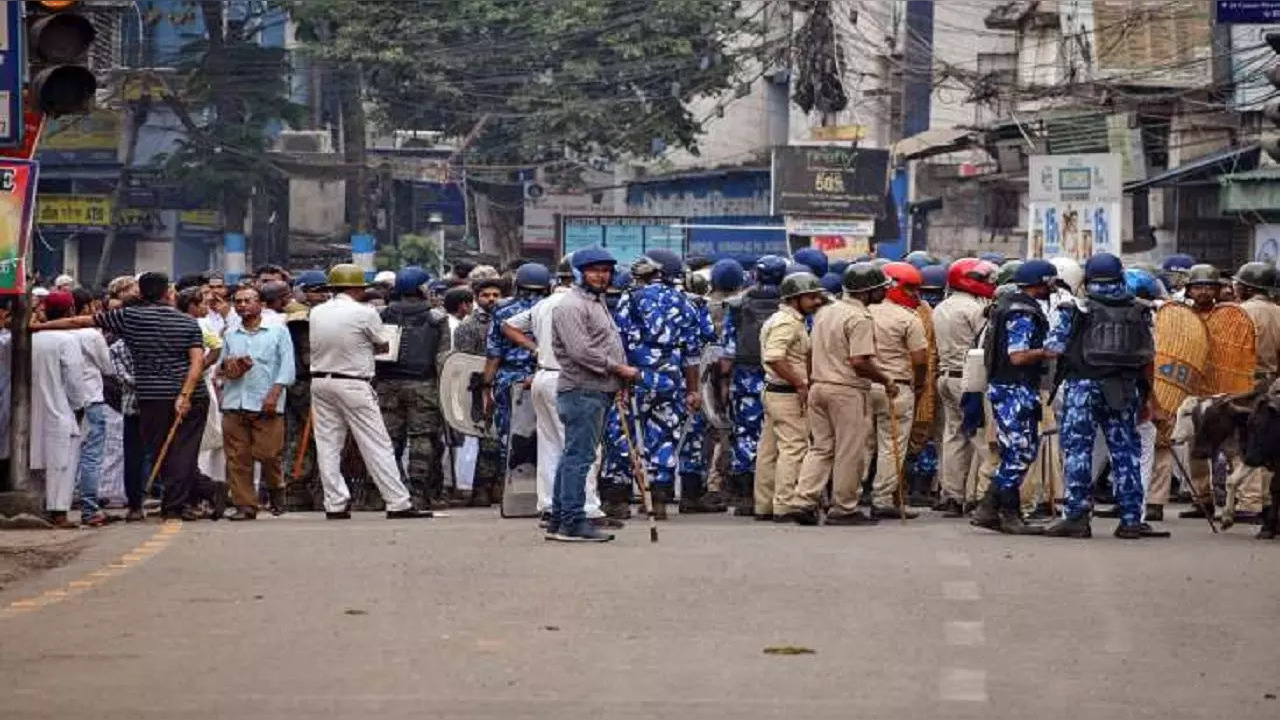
58, 40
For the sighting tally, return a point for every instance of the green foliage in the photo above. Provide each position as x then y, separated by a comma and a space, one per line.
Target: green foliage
551, 77
421, 250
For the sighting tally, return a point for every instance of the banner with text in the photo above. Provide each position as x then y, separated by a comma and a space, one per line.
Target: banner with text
627, 238
17, 197
1076, 202
828, 180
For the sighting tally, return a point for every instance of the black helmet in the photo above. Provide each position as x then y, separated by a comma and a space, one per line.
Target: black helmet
864, 277
1203, 274
1257, 275
564, 271
697, 283
801, 283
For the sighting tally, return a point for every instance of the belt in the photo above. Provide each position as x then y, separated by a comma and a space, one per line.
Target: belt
957, 374
781, 389
544, 368
338, 376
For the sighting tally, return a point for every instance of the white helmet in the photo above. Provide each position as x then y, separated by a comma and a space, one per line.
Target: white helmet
386, 278
1070, 273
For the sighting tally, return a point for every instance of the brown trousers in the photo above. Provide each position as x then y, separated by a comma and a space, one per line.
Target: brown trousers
840, 425
249, 437
783, 442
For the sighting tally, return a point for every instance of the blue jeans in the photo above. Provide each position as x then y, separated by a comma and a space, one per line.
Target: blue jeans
582, 412
89, 475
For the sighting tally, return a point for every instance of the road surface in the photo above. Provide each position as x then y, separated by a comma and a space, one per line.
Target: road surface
471, 616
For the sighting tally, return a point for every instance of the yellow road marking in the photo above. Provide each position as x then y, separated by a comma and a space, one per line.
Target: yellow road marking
152, 547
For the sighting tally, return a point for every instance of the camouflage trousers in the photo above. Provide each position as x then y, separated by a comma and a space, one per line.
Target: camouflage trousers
1016, 411
411, 412
302, 480
1085, 411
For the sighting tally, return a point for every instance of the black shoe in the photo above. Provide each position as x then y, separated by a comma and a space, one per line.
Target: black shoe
1244, 517
1269, 522
408, 514
696, 506
783, 519
1070, 528
340, 515
1155, 513
583, 532
275, 501
1041, 513
762, 517
1128, 532
893, 513
919, 500
607, 523
1196, 512
1011, 515
242, 514
219, 500
1110, 513
744, 511
951, 508
1150, 532
544, 521
855, 519
715, 502
987, 513
805, 518
620, 510
135, 515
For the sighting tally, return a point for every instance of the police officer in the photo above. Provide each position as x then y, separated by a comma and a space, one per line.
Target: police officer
1106, 351
1200, 285
933, 284
813, 260
957, 320
920, 259
784, 438
740, 353
616, 478
1015, 357
508, 363
661, 333
839, 410
693, 444
901, 352
302, 484
408, 388
727, 279
345, 335
1254, 283
1175, 271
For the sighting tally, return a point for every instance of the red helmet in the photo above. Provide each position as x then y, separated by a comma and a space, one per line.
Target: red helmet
974, 276
906, 284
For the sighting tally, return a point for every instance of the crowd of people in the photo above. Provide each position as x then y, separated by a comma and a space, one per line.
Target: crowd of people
798, 391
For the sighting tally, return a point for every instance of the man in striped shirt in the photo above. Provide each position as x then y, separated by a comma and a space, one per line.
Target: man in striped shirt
168, 357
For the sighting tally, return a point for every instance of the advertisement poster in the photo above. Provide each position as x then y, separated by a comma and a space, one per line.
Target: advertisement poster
628, 238
1266, 243
838, 239
828, 180
1076, 203
17, 197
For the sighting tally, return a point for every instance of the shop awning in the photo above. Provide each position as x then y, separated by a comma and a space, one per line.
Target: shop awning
933, 142
1203, 169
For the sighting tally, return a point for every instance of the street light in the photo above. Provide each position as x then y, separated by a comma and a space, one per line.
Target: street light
436, 220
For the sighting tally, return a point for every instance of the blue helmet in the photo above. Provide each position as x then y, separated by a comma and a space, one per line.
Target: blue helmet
671, 264
1177, 263
993, 257
1035, 272
1104, 267
311, 279
592, 256
727, 275
438, 287
533, 276
919, 259
771, 269
933, 277
795, 267
814, 259
621, 283
839, 266
1143, 284
409, 280
833, 283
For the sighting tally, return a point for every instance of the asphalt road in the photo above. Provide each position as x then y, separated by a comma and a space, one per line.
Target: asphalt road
475, 617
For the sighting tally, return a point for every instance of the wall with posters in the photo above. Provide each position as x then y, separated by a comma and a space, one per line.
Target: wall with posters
1076, 203
1266, 243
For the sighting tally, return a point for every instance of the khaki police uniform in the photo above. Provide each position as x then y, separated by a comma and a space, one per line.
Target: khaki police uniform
785, 435
898, 333
839, 412
956, 324
343, 333
1251, 486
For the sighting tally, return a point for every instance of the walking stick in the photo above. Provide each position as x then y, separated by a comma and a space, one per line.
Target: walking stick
1196, 498
302, 447
164, 450
637, 467
897, 458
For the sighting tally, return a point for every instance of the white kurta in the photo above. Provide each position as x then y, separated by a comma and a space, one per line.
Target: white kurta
57, 391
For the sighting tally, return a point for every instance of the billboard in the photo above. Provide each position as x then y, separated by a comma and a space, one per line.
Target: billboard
1076, 202
17, 196
628, 238
11, 66
828, 180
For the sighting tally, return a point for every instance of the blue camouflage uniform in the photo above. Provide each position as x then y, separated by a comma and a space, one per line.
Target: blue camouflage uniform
660, 333
693, 446
1015, 406
518, 364
746, 390
615, 466
1085, 410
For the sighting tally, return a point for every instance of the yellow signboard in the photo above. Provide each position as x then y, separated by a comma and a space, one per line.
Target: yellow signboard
838, 132
99, 130
200, 218
86, 211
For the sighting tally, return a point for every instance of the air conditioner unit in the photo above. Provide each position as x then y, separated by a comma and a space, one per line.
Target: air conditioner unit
304, 141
